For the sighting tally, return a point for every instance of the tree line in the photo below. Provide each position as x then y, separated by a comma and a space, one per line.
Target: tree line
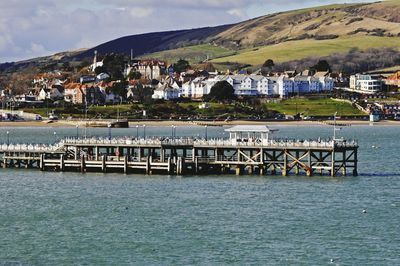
355, 61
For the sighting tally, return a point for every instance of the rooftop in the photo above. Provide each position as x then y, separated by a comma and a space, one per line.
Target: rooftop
250, 128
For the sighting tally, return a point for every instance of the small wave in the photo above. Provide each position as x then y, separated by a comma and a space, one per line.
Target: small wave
380, 174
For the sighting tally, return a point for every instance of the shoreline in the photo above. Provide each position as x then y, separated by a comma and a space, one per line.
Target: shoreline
67, 123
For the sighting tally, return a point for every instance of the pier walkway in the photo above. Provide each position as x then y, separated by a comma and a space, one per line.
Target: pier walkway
245, 152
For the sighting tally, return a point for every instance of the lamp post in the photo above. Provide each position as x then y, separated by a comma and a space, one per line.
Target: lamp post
206, 135
109, 131
77, 131
144, 131
137, 131
8, 138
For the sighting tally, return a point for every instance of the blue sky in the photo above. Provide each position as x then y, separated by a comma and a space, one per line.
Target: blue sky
31, 28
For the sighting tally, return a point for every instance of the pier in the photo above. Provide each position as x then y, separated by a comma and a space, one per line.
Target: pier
248, 150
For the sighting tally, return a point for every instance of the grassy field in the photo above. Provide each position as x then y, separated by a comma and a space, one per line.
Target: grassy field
193, 54
305, 48
388, 69
314, 107
282, 52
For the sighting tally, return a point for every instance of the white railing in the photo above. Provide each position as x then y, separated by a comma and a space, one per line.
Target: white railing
30, 147
284, 143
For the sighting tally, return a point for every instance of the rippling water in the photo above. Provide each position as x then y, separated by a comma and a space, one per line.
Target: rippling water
51, 218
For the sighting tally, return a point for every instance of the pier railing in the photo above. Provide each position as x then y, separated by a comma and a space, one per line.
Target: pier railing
31, 147
212, 142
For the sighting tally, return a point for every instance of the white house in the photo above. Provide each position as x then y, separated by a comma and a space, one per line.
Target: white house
197, 88
167, 89
365, 83
56, 92
166, 92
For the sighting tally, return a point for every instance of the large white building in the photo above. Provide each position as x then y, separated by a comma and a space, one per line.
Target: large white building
365, 83
258, 85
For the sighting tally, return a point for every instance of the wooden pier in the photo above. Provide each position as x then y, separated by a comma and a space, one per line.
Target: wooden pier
249, 150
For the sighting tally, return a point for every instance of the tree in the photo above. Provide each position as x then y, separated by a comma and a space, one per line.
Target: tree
221, 91
322, 65
181, 66
100, 69
142, 94
114, 65
269, 64
119, 88
134, 75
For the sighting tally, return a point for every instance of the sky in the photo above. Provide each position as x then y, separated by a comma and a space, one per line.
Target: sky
32, 28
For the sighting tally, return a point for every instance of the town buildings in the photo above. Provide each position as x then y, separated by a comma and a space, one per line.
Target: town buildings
259, 85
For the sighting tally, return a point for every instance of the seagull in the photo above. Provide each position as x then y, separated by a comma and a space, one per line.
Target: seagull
332, 260
364, 211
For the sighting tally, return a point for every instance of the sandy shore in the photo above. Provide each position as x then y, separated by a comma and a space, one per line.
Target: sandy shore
65, 123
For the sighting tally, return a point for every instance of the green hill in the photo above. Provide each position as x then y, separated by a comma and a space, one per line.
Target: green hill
298, 34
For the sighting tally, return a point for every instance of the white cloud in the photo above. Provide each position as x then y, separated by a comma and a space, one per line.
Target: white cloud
140, 12
37, 49
5, 42
35, 27
240, 13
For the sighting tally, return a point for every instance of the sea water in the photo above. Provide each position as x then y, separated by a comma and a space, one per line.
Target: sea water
49, 218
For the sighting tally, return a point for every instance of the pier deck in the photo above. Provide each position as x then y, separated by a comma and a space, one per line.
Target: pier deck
179, 156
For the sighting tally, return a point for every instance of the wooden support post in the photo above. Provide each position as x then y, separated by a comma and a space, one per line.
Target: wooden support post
169, 165
297, 168
183, 165
251, 170
196, 165
309, 171
355, 171
125, 164
285, 164
179, 166
103, 163
41, 162
96, 153
261, 170
148, 165
239, 170
62, 165
162, 154
83, 164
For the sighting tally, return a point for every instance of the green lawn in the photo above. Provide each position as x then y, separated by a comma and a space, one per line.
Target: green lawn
313, 107
193, 54
292, 50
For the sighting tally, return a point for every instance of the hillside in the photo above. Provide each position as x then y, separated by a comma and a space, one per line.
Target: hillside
153, 42
302, 33
283, 36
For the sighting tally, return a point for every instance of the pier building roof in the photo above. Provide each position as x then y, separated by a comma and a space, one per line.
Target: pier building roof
250, 128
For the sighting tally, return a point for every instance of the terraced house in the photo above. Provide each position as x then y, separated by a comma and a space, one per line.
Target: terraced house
259, 85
